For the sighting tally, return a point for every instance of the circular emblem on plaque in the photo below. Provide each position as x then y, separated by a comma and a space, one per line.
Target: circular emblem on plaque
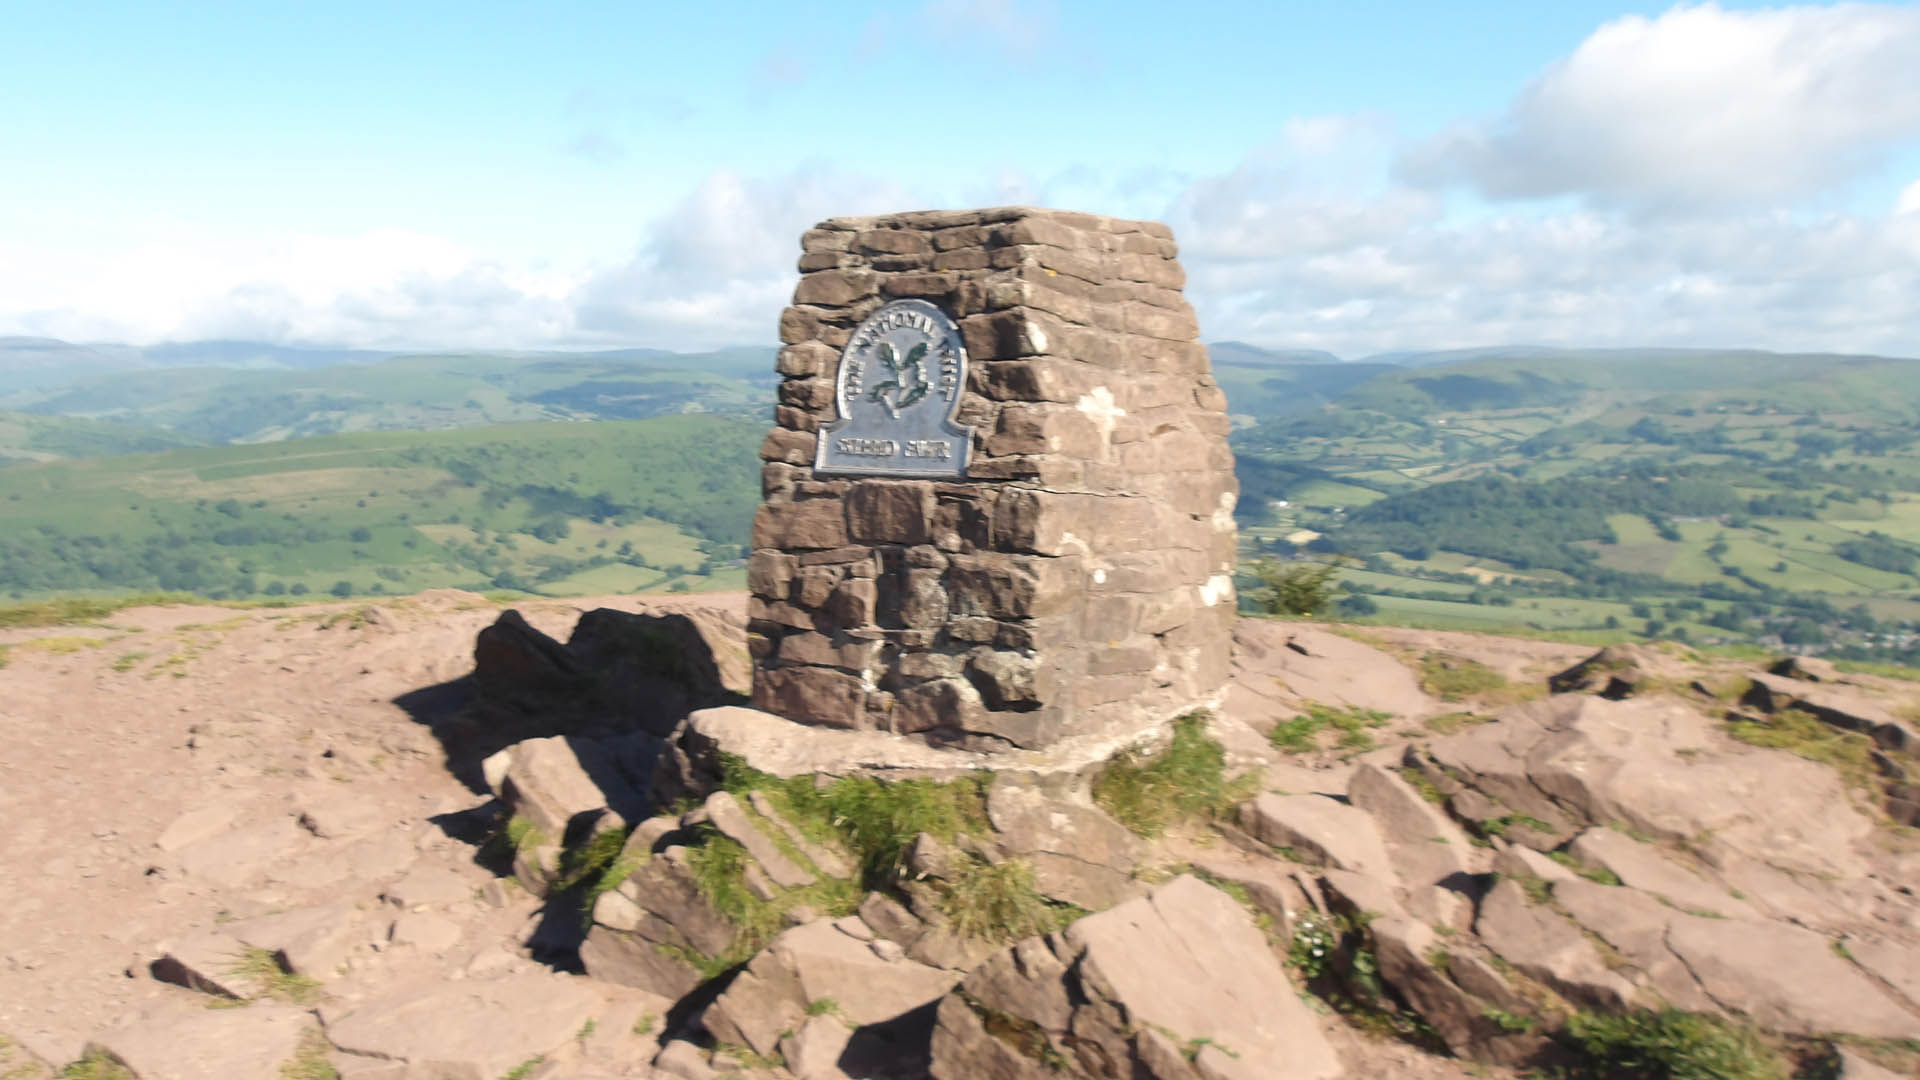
898, 387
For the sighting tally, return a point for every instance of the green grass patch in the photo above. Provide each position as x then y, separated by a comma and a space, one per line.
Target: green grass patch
1598, 874
128, 661
1452, 723
522, 834
1456, 678
748, 1058
999, 902
1672, 1045
1885, 671
719, 867
1302, 733
262, 969
1802, 734
309, 1060
61, 645
1424, 784
875, 820
524, 1069
1149, 792
80, 610
96, 1065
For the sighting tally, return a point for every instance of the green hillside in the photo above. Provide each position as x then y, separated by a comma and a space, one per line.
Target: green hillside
210, 404
1718, 496
616, 505
26, 437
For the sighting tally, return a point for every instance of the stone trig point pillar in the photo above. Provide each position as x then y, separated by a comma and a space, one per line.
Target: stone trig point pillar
998, 498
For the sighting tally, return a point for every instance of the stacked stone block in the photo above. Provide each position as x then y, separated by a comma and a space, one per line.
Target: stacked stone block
1077, 581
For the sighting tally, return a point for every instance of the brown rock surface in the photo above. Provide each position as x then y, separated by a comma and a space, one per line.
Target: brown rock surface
185, 1044
1139, 987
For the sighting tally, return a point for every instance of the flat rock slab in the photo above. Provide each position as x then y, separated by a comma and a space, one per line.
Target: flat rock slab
1175, 985
236, 857
1189, 959
1550, 948
1284, 665
486, 1028
312, 941
429, 885
1319, 830
1636, 925
1643, 867
200, 1043
554, 780
817, 962
776, 745
1661, 767
1787, 979
1426, 847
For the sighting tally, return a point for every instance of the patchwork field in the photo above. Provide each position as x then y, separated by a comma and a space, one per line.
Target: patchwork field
551, 508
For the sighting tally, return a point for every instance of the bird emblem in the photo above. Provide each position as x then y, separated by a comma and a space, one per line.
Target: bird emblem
908, 383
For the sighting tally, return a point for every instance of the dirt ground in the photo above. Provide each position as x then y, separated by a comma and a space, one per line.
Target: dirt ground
176, 716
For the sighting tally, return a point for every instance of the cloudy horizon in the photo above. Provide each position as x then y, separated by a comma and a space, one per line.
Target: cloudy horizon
1712, 175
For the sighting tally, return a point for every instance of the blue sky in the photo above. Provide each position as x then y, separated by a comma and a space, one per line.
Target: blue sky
1356, 177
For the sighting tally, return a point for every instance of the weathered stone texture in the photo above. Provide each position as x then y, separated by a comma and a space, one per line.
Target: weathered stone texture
1078, 579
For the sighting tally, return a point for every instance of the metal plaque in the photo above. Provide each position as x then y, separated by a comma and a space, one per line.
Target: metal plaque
899, 385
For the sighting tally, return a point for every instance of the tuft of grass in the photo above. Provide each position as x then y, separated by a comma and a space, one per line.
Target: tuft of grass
79, 610
524, 1069
748, 1058
1805, 735
96, 1065
1672, 1045
1888, 671
61, 644
874, 819
309, 1060
1302, 733
1598, 874
1148, 793
719, 867
1499, 825
522, 834
128, 661
1424, 784
263, 969
1508, 1022
1453, 722
1000, 903
1456, 678
646, 1024
592, 858
825, 1006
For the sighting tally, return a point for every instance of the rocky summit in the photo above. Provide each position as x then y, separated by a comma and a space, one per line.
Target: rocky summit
439, 839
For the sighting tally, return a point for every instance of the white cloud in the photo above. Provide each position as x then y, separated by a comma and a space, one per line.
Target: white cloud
1278, 252
1578, 277
1909, 200
717, 268
1020, 28
1699, 106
